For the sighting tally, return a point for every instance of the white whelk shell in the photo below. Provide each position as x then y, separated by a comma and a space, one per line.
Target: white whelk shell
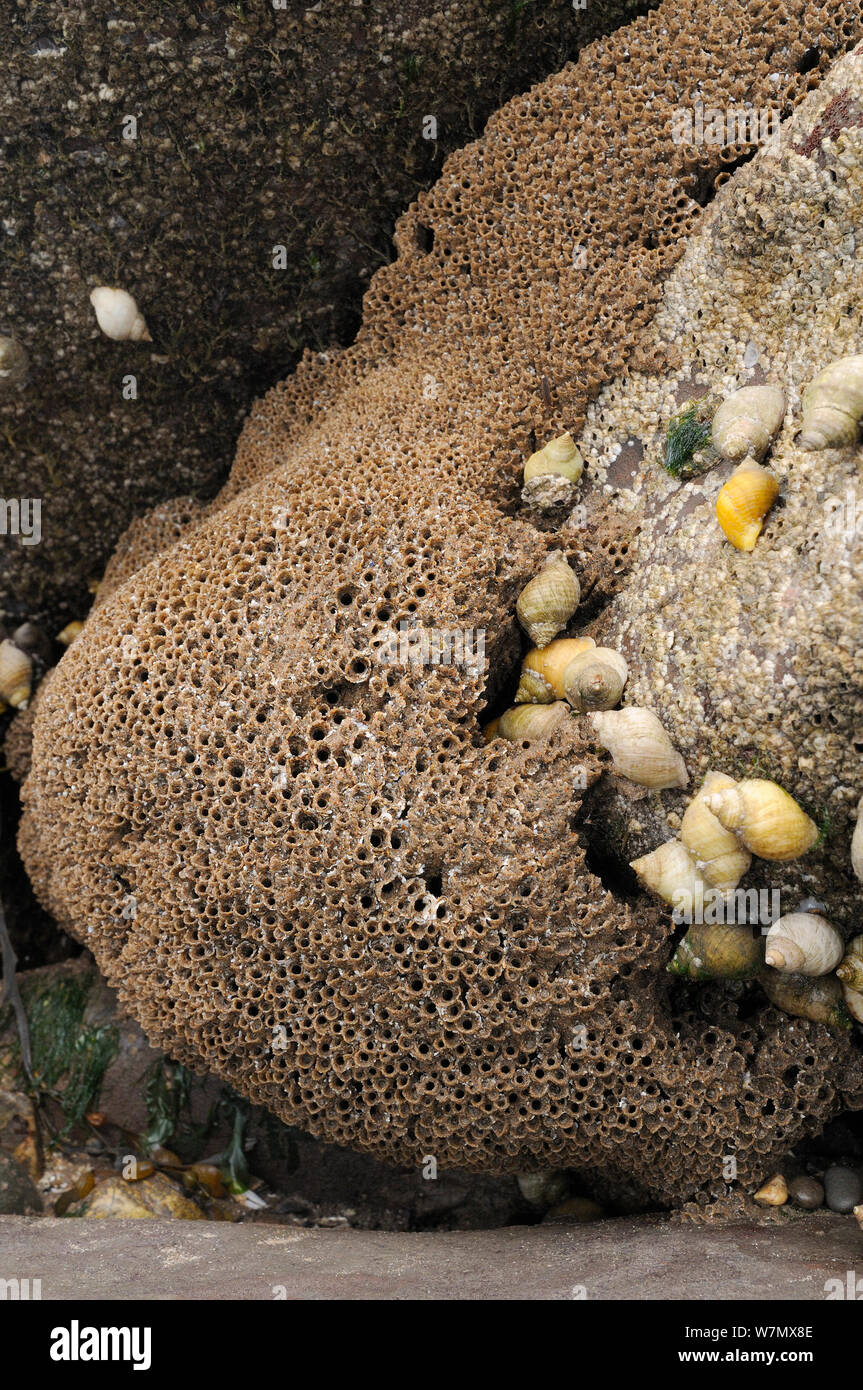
804, 943
118, 315
748, 421
640, 748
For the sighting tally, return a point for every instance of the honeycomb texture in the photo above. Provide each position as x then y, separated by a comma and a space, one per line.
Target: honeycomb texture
298, 861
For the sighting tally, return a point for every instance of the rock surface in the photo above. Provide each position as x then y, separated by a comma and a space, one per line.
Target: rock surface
647, 1260
170, 149
18, 1196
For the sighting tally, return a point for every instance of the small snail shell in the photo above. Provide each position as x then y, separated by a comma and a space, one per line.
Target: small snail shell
546, 604
543, 1189
804, 943
744, 501
117, 314
858, 1213
817, 997
850, 972
774, 1193
32, 640
857, 843
595, 679
531, 721
718, 853
765, 818
550, 475
14, 363
671, 873
718, 951
640, 748
16, 675
491, 730
748, 421
853, 1002
70, 632
833, 405
543, 667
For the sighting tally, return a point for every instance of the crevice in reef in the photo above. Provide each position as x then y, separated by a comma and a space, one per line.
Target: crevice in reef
589, 824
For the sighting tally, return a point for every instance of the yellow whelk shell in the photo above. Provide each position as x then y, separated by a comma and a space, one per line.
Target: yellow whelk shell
531, 721
546, 604
743, 503
640, 748
774, 1193
817, 997
543, 668
117, 314
803, 943
70, 632
833, 405
748, 421
765, 818
850, 972
550, 475
671, 873
16, 675
595, 679
720, 856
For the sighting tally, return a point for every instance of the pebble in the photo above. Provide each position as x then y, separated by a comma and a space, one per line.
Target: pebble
843, 1188
806, 1192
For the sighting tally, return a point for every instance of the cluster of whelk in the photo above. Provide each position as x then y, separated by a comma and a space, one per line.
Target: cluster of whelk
840, 1188
748, 421
801, 962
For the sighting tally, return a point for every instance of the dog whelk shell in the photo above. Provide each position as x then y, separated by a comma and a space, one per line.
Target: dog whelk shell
595, 679
774, 1193
718, 951
804, 943
550, 475
70, 632
543, 670
748, 421
817, 997
14, 363
548, 601
671, 873
744, 501
16, 675
765, 818
640, 748
117, 314
720, 856
833, 405
851, 969
853, 1002
531, 721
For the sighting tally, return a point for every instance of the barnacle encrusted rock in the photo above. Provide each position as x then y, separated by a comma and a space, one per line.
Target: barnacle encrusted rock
756, 659
348, 904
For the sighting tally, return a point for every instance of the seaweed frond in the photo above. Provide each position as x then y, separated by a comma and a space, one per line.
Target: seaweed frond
686, 433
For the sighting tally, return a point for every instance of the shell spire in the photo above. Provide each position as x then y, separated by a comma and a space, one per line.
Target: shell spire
833, 405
